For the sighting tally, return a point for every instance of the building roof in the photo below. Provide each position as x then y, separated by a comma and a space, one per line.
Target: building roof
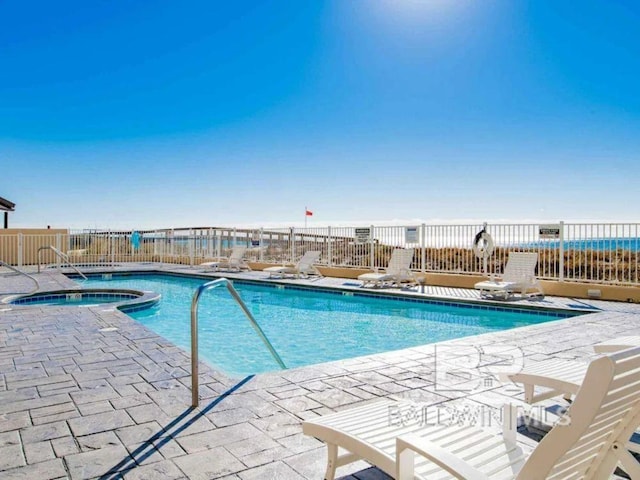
7, 205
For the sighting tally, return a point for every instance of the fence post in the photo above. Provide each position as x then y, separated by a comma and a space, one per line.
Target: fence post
292, 245
561, 253
20, 237
59, 247
192, 241
423, 239
372, 253
329, 248
261, 244
209, 244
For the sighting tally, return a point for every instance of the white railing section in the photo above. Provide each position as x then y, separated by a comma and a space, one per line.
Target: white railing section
597, 253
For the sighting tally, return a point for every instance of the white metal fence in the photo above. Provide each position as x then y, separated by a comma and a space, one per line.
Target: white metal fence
599, 253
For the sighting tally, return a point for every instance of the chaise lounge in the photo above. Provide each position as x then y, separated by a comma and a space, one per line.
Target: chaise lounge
303, 268
397, 272
519, 276
387, 434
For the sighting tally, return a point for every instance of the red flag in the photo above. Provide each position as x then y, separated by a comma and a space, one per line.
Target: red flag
308, 213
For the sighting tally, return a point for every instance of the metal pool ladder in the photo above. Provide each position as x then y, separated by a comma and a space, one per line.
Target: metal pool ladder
194, 331
62, 256
20, 272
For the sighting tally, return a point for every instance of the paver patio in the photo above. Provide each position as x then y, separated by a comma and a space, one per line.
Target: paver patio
91, 393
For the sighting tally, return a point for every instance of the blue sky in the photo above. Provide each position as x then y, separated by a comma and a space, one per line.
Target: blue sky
169, 114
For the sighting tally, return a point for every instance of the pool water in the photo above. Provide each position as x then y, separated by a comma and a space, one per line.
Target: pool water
305, 327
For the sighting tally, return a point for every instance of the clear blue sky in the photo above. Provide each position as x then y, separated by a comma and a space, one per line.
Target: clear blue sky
167, 114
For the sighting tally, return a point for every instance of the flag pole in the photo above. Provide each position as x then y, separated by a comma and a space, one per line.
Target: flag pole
305, 217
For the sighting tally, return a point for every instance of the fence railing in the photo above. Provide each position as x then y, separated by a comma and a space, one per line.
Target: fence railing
598, 253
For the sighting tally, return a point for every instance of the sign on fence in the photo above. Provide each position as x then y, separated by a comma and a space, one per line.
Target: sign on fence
550, 231
363, 235
411, 235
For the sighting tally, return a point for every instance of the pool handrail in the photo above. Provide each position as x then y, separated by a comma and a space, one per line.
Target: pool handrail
62, 256
5, 264
194, 331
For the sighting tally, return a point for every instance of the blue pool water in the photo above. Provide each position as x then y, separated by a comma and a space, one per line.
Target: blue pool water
305, 327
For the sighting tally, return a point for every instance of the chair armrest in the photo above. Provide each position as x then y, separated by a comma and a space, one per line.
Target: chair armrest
408, 445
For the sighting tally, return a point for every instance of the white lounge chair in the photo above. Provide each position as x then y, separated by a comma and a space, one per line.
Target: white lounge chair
560, 377
519, 276
303, 268
605, 413
398, 270
234, 262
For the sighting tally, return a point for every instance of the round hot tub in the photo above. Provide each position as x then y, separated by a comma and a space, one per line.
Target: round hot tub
125, 300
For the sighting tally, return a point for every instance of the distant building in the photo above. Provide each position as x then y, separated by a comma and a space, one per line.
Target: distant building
6, 206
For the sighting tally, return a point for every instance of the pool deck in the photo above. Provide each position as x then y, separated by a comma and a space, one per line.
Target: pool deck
90, 393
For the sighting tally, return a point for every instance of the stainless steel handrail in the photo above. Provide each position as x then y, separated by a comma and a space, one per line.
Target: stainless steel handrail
194, 331
62, 256
5, 264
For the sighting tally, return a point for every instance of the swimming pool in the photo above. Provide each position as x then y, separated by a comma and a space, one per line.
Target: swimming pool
305, 326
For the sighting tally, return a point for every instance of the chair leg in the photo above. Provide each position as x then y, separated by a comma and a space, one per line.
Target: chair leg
332, 462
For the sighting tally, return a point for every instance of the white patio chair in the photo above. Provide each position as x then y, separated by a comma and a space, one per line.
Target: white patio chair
303, 268
588, 444
398, 270
234, 262
519, 276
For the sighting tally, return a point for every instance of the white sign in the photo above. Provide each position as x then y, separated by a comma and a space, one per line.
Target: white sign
363, 235
549, 231
411, 235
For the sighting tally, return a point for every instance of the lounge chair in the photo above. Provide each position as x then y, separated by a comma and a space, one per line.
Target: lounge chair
234, 262
388, 434
397, 272
560, 377
303, 268
519, 276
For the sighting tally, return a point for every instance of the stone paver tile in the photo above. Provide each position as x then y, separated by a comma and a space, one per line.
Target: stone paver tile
97, 462
100, 422
231, 417
25, 405
272, 471
220, 436
46, 411
49, 470
266, 456
64, 446
136, 434
38, 452
11, 457
94, 395
278, 425
14, 421
298, 404
209, 464
55, 418
168, 447
251, 445
98, 440
165, 470
95, 407
131, 400
41, 433
9, 438
149, 413
333, 398
299, 443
